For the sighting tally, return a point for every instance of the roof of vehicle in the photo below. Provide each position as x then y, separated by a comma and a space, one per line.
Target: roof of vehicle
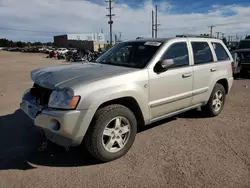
167, 39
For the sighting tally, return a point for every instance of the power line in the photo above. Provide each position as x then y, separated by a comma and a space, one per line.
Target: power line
110, 15
40, 31
200, 26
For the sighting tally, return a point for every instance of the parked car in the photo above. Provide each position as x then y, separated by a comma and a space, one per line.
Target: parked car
41, 50
62, 50
14, 49
241, 57
135, 83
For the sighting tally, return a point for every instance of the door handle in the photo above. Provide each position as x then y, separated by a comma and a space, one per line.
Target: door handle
186, 75
213, 69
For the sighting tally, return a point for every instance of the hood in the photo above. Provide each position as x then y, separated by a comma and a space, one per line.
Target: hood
55, 76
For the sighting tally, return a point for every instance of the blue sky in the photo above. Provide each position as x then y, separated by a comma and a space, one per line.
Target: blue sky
41, 20
187, 6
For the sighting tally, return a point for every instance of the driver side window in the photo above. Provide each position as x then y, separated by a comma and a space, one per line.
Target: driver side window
179, 53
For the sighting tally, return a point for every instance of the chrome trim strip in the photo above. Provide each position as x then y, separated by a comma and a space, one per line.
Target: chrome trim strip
170, 100
200, 91
176, 98
175, 113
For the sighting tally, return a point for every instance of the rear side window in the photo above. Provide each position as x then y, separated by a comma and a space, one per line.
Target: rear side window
220, 52
202, 53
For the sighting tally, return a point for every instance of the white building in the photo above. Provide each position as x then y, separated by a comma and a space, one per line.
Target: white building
96, 37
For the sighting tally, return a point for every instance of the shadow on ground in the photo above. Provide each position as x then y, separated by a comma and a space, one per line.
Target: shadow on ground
21, 142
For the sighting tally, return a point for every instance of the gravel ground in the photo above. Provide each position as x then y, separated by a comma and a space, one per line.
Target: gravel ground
186, 151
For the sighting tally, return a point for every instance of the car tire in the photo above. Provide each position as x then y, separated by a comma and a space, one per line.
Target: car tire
216, 101
105, 139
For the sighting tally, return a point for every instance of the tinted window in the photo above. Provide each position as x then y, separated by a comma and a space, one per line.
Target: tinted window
179, 53
244, 44
130, 54
220, 52
202, 53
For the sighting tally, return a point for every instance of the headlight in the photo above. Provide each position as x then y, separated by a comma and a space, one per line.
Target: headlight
64, 99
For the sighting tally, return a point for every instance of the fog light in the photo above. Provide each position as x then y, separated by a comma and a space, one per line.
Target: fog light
55, 125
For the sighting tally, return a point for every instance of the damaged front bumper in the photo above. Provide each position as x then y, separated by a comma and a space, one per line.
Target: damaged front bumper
59, 126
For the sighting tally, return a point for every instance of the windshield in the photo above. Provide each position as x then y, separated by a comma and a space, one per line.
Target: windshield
243, 44
130, 54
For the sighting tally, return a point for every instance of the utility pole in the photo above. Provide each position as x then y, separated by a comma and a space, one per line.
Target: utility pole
153, 24
110, 22
211, 30
156, 22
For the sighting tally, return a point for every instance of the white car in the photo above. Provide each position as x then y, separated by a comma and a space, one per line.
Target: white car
62, 50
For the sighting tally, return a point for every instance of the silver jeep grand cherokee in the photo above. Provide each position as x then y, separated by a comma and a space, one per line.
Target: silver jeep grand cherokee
134, 83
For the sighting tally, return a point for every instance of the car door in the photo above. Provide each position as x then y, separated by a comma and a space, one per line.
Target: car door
171, 90
204, 68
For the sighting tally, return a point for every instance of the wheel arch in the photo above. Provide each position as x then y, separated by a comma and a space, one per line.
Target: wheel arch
131, 104
224, 83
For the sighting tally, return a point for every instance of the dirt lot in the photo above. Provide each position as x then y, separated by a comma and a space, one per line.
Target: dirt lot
186, 151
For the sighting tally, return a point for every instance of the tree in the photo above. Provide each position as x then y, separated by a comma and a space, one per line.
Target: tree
248, 37
20, 44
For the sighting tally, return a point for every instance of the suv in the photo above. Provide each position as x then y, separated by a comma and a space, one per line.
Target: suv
241, 57
101, 103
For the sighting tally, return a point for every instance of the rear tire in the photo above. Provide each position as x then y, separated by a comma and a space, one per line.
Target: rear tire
216, 101
111, 133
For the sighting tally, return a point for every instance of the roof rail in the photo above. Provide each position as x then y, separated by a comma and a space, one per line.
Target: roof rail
190, 35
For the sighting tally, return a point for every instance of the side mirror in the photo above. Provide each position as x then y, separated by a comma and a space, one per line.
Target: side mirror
164, 65
167, 63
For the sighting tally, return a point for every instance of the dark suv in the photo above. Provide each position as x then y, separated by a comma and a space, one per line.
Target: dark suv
241, 57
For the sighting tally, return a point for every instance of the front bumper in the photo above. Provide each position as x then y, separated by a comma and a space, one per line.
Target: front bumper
73, 123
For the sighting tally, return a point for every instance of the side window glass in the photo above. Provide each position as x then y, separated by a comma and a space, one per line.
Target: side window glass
220, 52
179, 53
202, 53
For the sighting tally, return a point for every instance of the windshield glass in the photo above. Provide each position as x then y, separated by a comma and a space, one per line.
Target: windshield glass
243, 45
130, 54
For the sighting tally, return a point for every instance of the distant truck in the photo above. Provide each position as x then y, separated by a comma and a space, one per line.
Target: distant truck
241, 55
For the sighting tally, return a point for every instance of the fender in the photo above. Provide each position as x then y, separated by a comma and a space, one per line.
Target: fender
100, 96
92, 100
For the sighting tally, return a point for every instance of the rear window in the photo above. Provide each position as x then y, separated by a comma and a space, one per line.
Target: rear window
244, 44
220, 52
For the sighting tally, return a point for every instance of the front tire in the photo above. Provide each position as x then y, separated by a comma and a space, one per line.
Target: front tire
111, 133
216, 101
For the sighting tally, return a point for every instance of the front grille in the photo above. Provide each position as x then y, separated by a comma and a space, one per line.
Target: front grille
41, 94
